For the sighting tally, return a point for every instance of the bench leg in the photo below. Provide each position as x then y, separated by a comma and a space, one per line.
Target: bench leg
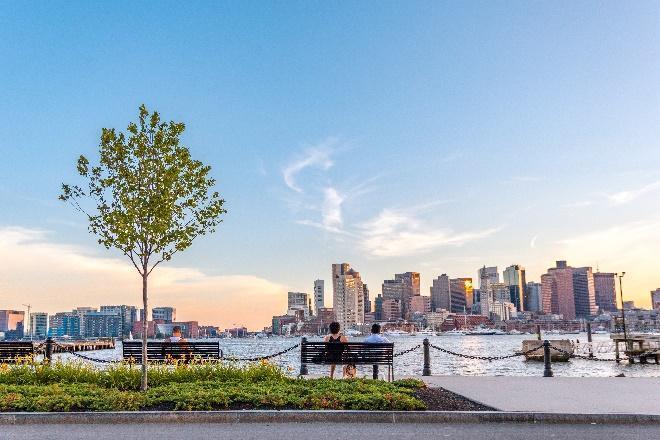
375, 372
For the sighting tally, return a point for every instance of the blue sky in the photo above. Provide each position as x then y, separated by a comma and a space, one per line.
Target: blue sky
427, 136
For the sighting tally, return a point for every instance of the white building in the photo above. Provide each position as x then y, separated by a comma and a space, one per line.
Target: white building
165, 314
298, 301
319, 295
347, 295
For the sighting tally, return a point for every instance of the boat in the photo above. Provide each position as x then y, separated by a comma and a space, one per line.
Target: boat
396, 333
260, 335
352, 333
426, 332
454, 332
600, 331
514, 332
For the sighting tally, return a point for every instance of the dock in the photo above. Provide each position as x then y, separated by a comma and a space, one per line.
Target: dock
68, 346
637, 347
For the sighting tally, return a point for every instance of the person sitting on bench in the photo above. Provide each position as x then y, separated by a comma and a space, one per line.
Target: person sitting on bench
375, 337
176, 335
334, 339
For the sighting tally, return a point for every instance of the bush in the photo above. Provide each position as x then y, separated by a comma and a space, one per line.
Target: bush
210, 386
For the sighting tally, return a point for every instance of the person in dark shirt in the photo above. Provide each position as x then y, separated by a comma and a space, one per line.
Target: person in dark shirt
335, 338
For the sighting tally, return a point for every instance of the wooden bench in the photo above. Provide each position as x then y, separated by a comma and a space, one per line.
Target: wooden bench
350, 353
161, 351
13, 351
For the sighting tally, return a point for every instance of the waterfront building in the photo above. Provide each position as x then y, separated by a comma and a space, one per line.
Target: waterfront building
367, 301
189, 329
533, 295
319, 295
584, 292
605, 290
165, 314
378, 308
655, 299
102, 325
557, 291
460, 295
347, 295
488, 275
64, 324
128, 316
298, 301
420, 305
12, 323
440, 293
391, 310
514, 278
502, 310
628, 305
280, 324
81, 312
435, 319
38, 325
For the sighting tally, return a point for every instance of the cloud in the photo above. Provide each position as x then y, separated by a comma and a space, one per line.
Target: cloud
332, 216
317, 156
579, 204
398, 233
57, 277
622, 197
532, 243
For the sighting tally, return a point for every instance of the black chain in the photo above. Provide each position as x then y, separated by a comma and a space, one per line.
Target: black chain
87, 358
401, 353
486, 358
581, 356
263, 358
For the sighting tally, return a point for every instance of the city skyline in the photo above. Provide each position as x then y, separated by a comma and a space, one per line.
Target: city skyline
394, 138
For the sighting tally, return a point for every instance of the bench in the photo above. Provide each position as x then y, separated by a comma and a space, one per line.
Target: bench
161, 351
350, 353
11, 352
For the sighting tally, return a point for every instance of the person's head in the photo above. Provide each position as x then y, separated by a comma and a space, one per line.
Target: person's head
176, 331
375, 329
334, 328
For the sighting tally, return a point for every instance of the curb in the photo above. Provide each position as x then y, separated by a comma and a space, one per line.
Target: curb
286, 416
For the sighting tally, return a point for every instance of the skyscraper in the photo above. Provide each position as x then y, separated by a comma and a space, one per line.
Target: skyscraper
488, 275
514, 278
557, 291
584, 292
319, 295
128, 316
367, 301
38, 325
460, 295
165, 314
440, 293
347, 295
655, 299
534, 298
605, 288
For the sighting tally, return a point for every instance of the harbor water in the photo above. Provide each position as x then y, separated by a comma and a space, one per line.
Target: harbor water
410, 364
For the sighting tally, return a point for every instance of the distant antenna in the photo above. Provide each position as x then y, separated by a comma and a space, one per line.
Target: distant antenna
597, 269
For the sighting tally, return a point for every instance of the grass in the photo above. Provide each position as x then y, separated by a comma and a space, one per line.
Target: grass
70, 386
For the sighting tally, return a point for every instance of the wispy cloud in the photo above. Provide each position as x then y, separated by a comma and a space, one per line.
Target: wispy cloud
332, 216
317, 156
578, 204
532, 243
398, 233
622, 197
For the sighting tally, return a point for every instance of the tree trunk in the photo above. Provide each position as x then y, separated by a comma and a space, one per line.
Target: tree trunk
145, 328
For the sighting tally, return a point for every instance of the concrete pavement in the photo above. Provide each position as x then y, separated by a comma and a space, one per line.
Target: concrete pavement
257, 431
579, 395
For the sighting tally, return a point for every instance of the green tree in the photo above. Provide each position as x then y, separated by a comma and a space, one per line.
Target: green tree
150, 198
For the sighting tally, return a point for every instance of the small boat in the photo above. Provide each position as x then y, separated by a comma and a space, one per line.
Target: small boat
514, 332
396, 333
260, 335
454, 332
352, 333
426, 332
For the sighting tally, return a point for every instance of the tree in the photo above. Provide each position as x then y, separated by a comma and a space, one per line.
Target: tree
151, 199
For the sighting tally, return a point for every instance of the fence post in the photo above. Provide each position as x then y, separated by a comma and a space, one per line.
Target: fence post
49, 349
591, 350
547, 371
427, 359
538, 332
303, 366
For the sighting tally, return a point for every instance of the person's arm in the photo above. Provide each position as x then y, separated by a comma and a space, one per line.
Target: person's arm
344, 339
326, 339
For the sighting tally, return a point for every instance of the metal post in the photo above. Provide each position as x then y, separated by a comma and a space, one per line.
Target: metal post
623, 313
303, 366
49, 349
547, 371
538, 332
426, 371
375, 372
591, 350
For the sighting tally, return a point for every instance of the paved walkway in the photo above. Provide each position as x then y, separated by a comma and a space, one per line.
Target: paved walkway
352, 431
586, 395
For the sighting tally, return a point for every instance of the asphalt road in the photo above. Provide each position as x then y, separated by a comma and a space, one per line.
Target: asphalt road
244, 431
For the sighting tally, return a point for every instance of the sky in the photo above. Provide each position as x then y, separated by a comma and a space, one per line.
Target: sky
428, 136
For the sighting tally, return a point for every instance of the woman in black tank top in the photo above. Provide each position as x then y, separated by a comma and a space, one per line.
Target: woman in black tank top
335, 338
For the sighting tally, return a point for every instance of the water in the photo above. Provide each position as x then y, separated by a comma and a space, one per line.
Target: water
441, 363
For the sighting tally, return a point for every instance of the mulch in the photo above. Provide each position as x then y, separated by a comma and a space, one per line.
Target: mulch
440, 399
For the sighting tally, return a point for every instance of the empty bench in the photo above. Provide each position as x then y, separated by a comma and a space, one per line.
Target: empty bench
11, 352
160, 351
350, 353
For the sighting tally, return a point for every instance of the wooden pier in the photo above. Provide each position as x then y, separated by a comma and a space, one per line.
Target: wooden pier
67, 346
639, 347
